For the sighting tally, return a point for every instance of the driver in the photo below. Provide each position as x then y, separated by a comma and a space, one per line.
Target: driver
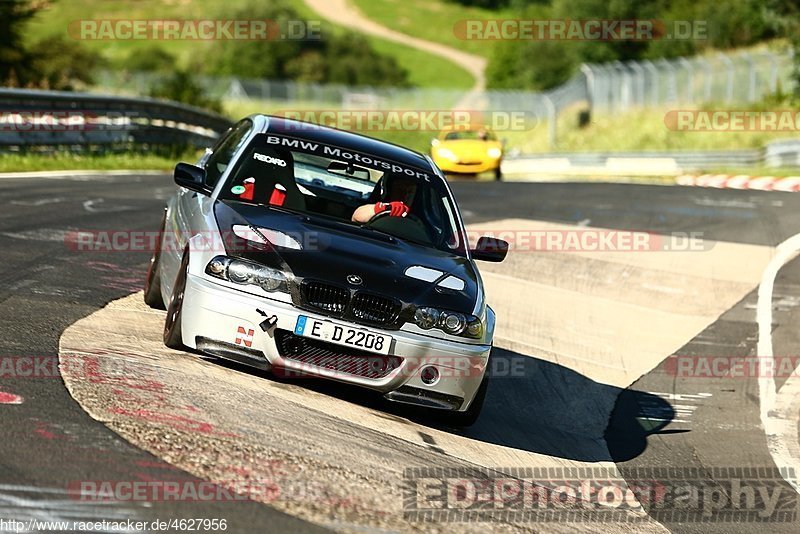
398, 195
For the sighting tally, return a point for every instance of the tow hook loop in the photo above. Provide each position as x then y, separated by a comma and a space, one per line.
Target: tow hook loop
268, 324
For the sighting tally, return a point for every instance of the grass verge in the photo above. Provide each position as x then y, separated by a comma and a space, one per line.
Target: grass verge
66, 161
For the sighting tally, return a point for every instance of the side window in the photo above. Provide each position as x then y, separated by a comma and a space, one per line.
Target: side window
221, 155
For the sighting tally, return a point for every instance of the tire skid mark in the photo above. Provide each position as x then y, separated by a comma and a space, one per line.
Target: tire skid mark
178, 422
149, 402
138, 395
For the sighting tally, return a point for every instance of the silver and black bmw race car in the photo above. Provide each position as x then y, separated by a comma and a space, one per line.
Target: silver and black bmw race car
309, 250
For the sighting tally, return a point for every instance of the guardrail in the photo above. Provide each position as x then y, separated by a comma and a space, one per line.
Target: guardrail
776, 154
49, 119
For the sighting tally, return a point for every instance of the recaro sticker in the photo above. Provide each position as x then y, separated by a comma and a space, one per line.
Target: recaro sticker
269, 159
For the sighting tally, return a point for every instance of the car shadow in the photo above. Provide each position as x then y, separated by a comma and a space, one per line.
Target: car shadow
533, 405
546, 408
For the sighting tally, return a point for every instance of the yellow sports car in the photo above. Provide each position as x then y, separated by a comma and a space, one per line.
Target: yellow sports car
468, 151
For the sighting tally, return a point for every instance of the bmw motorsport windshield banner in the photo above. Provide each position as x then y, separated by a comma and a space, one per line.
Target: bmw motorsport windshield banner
333, 152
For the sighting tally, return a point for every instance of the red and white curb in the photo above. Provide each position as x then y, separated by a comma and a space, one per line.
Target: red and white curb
10, 398
741, 181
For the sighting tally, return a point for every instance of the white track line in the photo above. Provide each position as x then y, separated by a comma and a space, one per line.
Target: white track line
777, 414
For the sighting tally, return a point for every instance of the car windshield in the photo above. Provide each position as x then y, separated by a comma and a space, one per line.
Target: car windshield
471, 135
316, 179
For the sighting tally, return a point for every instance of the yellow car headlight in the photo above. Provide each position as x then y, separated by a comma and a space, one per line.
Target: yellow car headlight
494, 152
446, 153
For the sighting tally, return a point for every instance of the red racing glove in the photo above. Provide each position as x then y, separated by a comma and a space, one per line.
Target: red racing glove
395, 209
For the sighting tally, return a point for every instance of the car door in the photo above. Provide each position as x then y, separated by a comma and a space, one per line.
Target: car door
187, 215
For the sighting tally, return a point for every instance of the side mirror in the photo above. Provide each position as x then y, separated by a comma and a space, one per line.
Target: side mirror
191, 177
490, 249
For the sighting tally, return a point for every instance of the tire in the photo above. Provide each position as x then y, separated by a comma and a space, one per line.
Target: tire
152, 283
468, 417
498, 174
172, 324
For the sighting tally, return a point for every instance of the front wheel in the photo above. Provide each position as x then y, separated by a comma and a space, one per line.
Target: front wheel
498, 174
172, 324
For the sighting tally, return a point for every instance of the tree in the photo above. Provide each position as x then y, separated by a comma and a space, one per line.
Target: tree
338, 58
151, 58
61, 64
785, 15
530, 65
181, 86
544, 64
352, 61
52, 63
14, 58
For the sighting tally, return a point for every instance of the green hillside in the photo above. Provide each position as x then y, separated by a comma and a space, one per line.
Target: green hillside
423, 70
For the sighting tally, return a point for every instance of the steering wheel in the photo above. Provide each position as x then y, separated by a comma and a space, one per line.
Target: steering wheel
416, 230
386, 213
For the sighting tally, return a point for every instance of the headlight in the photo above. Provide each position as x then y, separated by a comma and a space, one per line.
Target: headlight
240, 273
494, 152
446, 153
426, 318
217, 266
247, 273
270, 279
475, 328
453, 323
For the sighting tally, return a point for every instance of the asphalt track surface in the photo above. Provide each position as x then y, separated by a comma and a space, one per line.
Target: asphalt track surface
50, 441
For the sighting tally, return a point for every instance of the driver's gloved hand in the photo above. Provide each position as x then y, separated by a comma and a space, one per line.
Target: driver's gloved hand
395, 209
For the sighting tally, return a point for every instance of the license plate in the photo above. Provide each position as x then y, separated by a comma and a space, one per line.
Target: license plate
357, 338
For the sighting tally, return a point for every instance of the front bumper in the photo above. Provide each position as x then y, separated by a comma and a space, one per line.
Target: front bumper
476, 167
225, 322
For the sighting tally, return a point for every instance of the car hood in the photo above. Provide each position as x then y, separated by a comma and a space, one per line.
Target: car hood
332, 251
